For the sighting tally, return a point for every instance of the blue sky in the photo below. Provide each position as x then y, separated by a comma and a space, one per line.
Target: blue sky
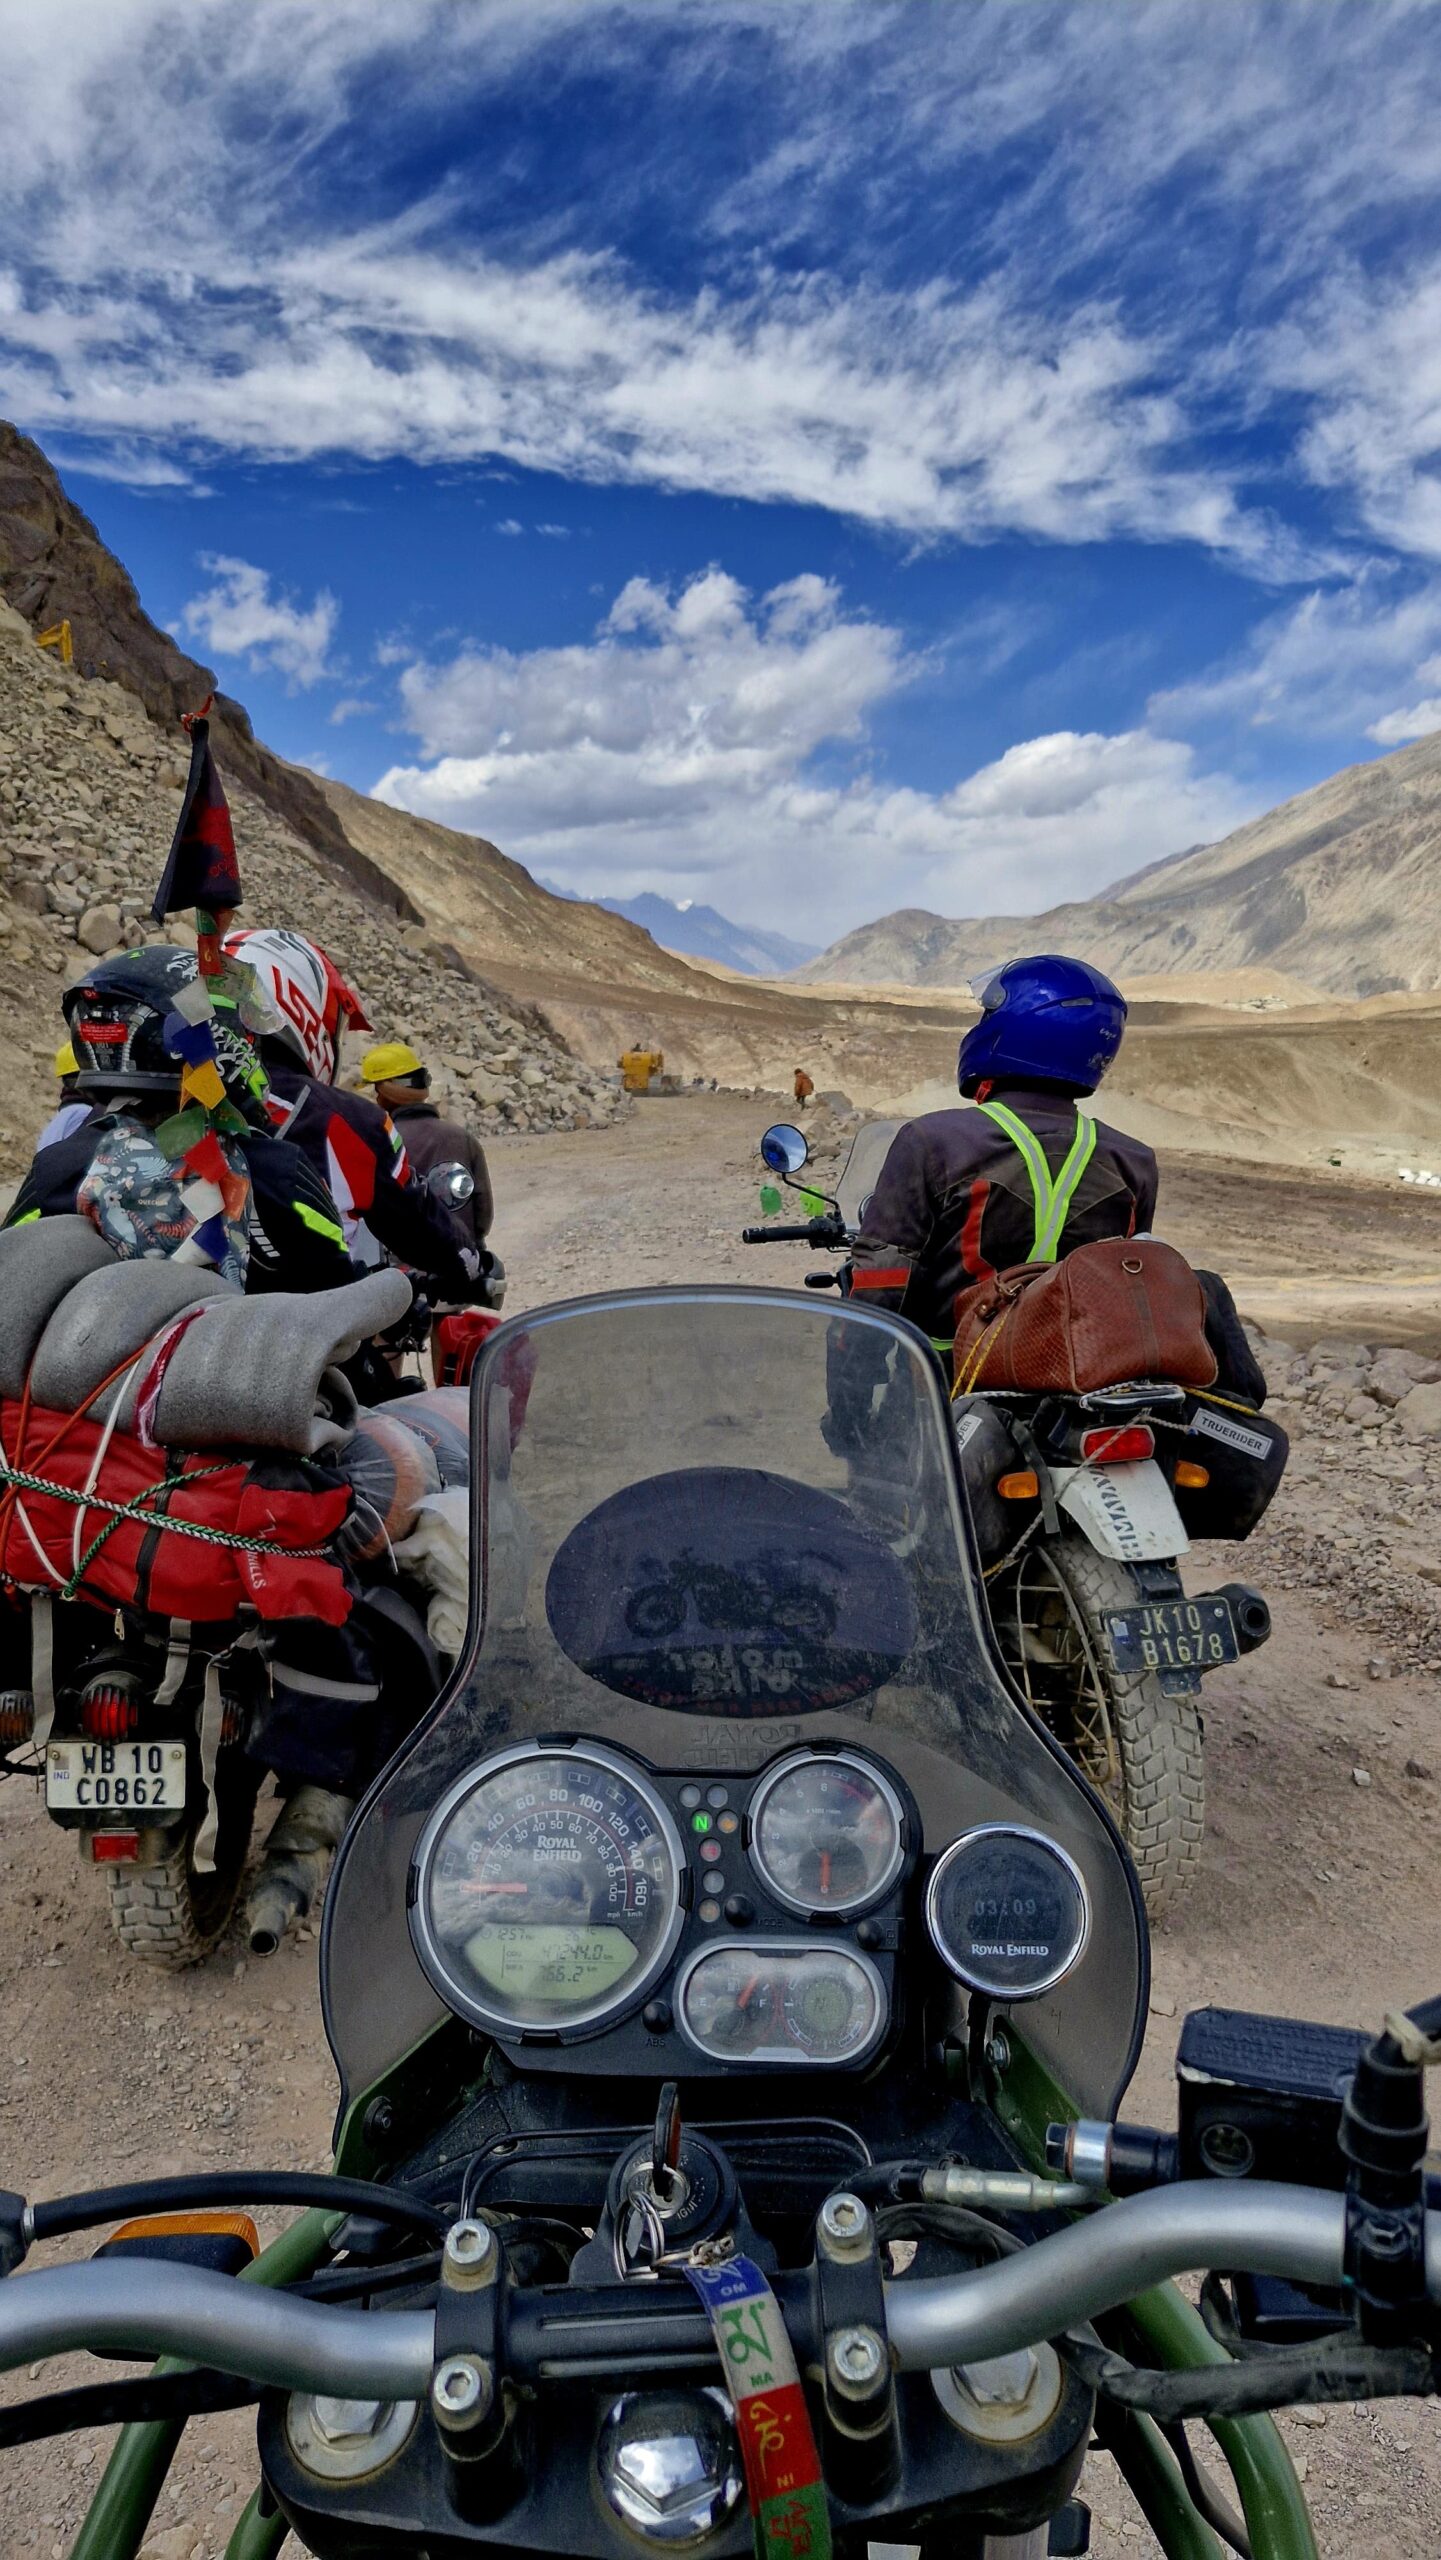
816, 456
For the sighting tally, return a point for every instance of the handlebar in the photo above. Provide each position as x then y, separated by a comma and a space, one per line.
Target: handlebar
815, 1231
1071, 2276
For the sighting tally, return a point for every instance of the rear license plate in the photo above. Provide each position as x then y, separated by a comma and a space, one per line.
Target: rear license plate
115, 1777
1172, 1635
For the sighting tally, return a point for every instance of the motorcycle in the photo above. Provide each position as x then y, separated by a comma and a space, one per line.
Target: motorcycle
1075, 1504
895, 2257
437, 1342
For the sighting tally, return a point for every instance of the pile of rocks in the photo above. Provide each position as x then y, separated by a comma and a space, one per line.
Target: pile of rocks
89, 790
1355, 1518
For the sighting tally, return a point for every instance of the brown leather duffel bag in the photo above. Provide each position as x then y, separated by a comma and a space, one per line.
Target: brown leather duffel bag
1128, 1308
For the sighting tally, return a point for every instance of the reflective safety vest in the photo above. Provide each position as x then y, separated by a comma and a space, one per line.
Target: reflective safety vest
1052, 1194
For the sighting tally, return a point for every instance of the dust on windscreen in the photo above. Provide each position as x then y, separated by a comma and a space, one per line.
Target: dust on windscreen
715, 1524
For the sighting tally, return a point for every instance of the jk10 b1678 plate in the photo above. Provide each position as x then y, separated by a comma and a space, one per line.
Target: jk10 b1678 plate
115, 1777
1172, 1635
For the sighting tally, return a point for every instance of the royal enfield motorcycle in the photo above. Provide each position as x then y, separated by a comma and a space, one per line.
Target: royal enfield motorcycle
732, 2021
1084, 1506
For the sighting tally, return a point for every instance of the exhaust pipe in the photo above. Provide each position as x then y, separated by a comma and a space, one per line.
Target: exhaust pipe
308, 1830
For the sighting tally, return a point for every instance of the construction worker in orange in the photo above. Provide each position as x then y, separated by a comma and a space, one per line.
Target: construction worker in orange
804, 1088
638, 1064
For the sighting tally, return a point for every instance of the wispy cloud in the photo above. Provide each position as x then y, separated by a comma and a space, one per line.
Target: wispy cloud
1337, 663
681, 742
239, 617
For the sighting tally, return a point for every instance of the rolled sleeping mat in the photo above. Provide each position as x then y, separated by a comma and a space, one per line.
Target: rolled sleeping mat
247, 1372
106, 1318
40, 1263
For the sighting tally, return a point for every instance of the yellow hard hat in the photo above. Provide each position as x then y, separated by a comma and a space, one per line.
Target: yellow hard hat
66, 1062
393, 1058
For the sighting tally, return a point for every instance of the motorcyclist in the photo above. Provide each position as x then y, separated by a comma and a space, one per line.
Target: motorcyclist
1026, 1176
350, 1142
400, 1082
116, 1019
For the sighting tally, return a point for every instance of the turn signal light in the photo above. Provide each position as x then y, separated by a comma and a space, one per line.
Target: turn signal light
1120, 1445
1192, 1476
187, 2226
17, 1715
1023, 1486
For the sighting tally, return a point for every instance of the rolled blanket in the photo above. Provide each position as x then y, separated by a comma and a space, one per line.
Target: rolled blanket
39, 1264
106, 1318
246, 1373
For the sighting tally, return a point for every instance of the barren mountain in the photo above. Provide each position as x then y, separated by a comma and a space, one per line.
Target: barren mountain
1340, 887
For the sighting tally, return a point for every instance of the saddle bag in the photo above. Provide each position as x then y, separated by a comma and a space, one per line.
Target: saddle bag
1129, 1307
1244, 1454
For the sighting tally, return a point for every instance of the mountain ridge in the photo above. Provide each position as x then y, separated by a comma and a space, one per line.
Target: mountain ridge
1339, 886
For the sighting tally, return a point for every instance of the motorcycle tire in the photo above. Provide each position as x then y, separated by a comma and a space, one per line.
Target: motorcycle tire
170, 1914
1139, 1745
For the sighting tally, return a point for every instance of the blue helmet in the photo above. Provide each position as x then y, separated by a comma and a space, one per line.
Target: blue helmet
1048, 1018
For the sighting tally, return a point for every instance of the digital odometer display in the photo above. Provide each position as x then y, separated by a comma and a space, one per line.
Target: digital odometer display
546, 1891
1007, 1911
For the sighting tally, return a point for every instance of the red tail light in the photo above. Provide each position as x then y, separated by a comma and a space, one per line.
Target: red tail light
1118, 1446
108, 1713
113, 1848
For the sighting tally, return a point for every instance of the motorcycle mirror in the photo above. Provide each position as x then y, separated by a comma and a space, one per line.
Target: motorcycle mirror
784, 1149
451, 1182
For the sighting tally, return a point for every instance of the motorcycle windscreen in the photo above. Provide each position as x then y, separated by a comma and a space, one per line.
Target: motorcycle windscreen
862, 1169
708, 1525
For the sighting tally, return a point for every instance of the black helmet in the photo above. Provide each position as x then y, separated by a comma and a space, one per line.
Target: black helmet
116, 1018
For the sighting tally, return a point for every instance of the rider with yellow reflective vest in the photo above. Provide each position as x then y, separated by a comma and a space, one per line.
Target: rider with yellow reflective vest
1024, 1177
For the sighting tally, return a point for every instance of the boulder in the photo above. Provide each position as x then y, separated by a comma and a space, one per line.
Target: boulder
1419, 1413
99, 928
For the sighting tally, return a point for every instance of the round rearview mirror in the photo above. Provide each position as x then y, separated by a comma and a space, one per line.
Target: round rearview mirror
784, 1149
451, 1182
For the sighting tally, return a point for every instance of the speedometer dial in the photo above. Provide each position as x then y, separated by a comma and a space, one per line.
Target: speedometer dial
545, 1891
827, 1833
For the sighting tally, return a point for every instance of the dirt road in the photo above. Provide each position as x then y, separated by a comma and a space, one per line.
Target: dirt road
1317, 1895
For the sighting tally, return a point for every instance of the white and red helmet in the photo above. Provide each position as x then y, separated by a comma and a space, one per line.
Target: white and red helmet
312, 1002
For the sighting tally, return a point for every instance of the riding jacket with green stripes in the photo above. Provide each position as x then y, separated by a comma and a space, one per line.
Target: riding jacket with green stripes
1023, 1177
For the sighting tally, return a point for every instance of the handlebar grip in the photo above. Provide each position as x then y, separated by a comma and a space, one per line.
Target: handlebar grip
778, 1235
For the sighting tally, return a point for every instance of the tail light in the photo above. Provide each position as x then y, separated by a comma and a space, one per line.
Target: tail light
1120, 1445
17, 1715
108, 1712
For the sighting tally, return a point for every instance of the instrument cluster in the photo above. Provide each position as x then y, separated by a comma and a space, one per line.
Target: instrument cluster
562, 1892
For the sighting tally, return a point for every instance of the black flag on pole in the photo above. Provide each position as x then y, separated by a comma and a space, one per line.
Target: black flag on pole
201, 870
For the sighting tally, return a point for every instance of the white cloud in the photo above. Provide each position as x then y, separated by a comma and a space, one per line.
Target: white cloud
1368, 359
350, 707
1333, 664
684, 743
509, 525
555, 532
239, 617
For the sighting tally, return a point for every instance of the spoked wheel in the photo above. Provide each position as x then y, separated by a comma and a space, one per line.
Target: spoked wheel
172, 1914
1139, 1746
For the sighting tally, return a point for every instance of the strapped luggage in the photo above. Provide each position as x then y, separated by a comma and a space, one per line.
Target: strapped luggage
1129, 1307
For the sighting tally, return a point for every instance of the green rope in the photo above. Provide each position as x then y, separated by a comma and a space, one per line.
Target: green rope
140, 1508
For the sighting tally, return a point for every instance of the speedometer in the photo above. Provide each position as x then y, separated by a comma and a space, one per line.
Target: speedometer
827, 1833
545, 1891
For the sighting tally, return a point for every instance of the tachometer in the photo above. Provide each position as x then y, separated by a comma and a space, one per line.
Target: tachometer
827, 1833
545, 1891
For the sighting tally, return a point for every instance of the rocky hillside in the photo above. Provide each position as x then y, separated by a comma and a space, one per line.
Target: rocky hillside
89, 790
1340, 887
54, 567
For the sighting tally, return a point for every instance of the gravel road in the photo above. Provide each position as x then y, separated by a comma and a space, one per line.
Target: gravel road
1317, 1896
